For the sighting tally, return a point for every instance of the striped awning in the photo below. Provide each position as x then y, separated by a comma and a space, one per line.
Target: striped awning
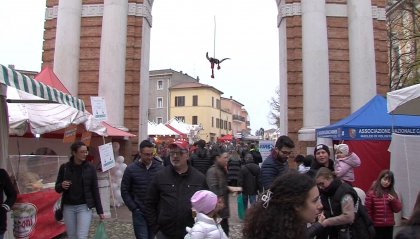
22, 82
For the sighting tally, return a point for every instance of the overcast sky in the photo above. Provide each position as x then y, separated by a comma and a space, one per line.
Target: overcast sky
182, 33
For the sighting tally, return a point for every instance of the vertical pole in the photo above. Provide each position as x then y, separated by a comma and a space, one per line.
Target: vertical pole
110, 184
214, 38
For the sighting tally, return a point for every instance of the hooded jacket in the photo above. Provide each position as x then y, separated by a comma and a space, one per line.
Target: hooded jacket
344, 167
249, 179
205, 227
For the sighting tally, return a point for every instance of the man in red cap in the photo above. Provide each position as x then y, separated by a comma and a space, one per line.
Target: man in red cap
168, 202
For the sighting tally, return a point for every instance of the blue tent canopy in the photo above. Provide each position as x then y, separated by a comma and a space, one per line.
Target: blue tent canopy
371, 122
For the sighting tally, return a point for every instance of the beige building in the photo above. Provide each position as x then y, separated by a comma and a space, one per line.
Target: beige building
159, 84
240, 122
196, 103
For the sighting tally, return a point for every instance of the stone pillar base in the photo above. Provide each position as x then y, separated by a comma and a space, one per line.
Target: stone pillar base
306, 134
104, 191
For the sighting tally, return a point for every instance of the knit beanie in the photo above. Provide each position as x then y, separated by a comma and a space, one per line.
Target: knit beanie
322, 146
204, 201
343, 148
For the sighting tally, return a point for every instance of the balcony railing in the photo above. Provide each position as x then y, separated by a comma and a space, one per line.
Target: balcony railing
238, 118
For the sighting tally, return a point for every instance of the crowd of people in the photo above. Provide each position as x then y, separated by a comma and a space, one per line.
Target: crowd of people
182, 191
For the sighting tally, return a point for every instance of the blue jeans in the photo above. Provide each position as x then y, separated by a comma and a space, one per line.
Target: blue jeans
140, 225
1, 235
77, 219
251, 199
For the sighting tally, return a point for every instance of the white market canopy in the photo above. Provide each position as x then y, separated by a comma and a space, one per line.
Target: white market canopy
405, 101
159, 129
53, 110
22, 82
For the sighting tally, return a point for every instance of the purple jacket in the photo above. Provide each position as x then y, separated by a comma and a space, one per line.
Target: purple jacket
344, 167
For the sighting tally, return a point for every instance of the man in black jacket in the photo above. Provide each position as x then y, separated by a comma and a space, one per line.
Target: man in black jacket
168, 206
200, 159
249, 180
135, 182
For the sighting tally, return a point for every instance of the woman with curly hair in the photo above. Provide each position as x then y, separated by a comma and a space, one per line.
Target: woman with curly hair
284, 210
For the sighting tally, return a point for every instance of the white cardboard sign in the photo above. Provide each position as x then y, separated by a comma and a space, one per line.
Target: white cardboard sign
107, 156
98, 108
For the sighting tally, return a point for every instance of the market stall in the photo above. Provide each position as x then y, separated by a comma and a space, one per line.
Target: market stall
38, 109
34, 108
405, 148
368, 133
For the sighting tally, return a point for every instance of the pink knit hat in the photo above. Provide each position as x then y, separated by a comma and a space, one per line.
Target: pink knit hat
343, 148
204, 201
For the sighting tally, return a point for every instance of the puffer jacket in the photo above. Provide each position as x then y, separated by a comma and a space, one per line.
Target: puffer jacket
201, 160
205, 228
381, 210
135, 182
271, 169
344, 167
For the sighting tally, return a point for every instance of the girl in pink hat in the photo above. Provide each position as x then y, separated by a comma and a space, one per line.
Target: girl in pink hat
345, 162
206, 205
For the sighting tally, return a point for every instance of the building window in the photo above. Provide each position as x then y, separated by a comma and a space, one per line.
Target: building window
212, 102
160, 84
159, 102
195, 120
230, 125
212, 121
224, 124
180, 118
218, 103
159, 120
179, 101
217, 123
195, 100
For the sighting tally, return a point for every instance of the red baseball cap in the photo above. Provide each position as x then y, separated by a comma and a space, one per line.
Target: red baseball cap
180, 144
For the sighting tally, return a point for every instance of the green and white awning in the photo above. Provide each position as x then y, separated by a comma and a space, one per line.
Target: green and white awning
22, 82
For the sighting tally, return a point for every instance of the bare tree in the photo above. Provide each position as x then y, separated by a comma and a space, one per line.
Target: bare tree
274, 115
403, 18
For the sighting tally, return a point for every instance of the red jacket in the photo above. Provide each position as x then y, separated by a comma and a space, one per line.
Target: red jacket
381, 210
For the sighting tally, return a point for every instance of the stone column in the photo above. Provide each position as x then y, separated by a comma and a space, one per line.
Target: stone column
362, 53
67, 44
316, 89
281, 24
112, 59
144, 81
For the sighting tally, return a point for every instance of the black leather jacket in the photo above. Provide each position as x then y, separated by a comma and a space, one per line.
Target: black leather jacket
168, 205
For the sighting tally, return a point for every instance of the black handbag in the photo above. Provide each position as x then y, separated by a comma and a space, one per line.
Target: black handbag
58, 210
58, 213
344, 233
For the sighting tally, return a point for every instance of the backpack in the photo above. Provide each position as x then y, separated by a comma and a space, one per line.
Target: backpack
362, 227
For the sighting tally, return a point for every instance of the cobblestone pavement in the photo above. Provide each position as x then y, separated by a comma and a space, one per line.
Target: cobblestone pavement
121, 226
117, 229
